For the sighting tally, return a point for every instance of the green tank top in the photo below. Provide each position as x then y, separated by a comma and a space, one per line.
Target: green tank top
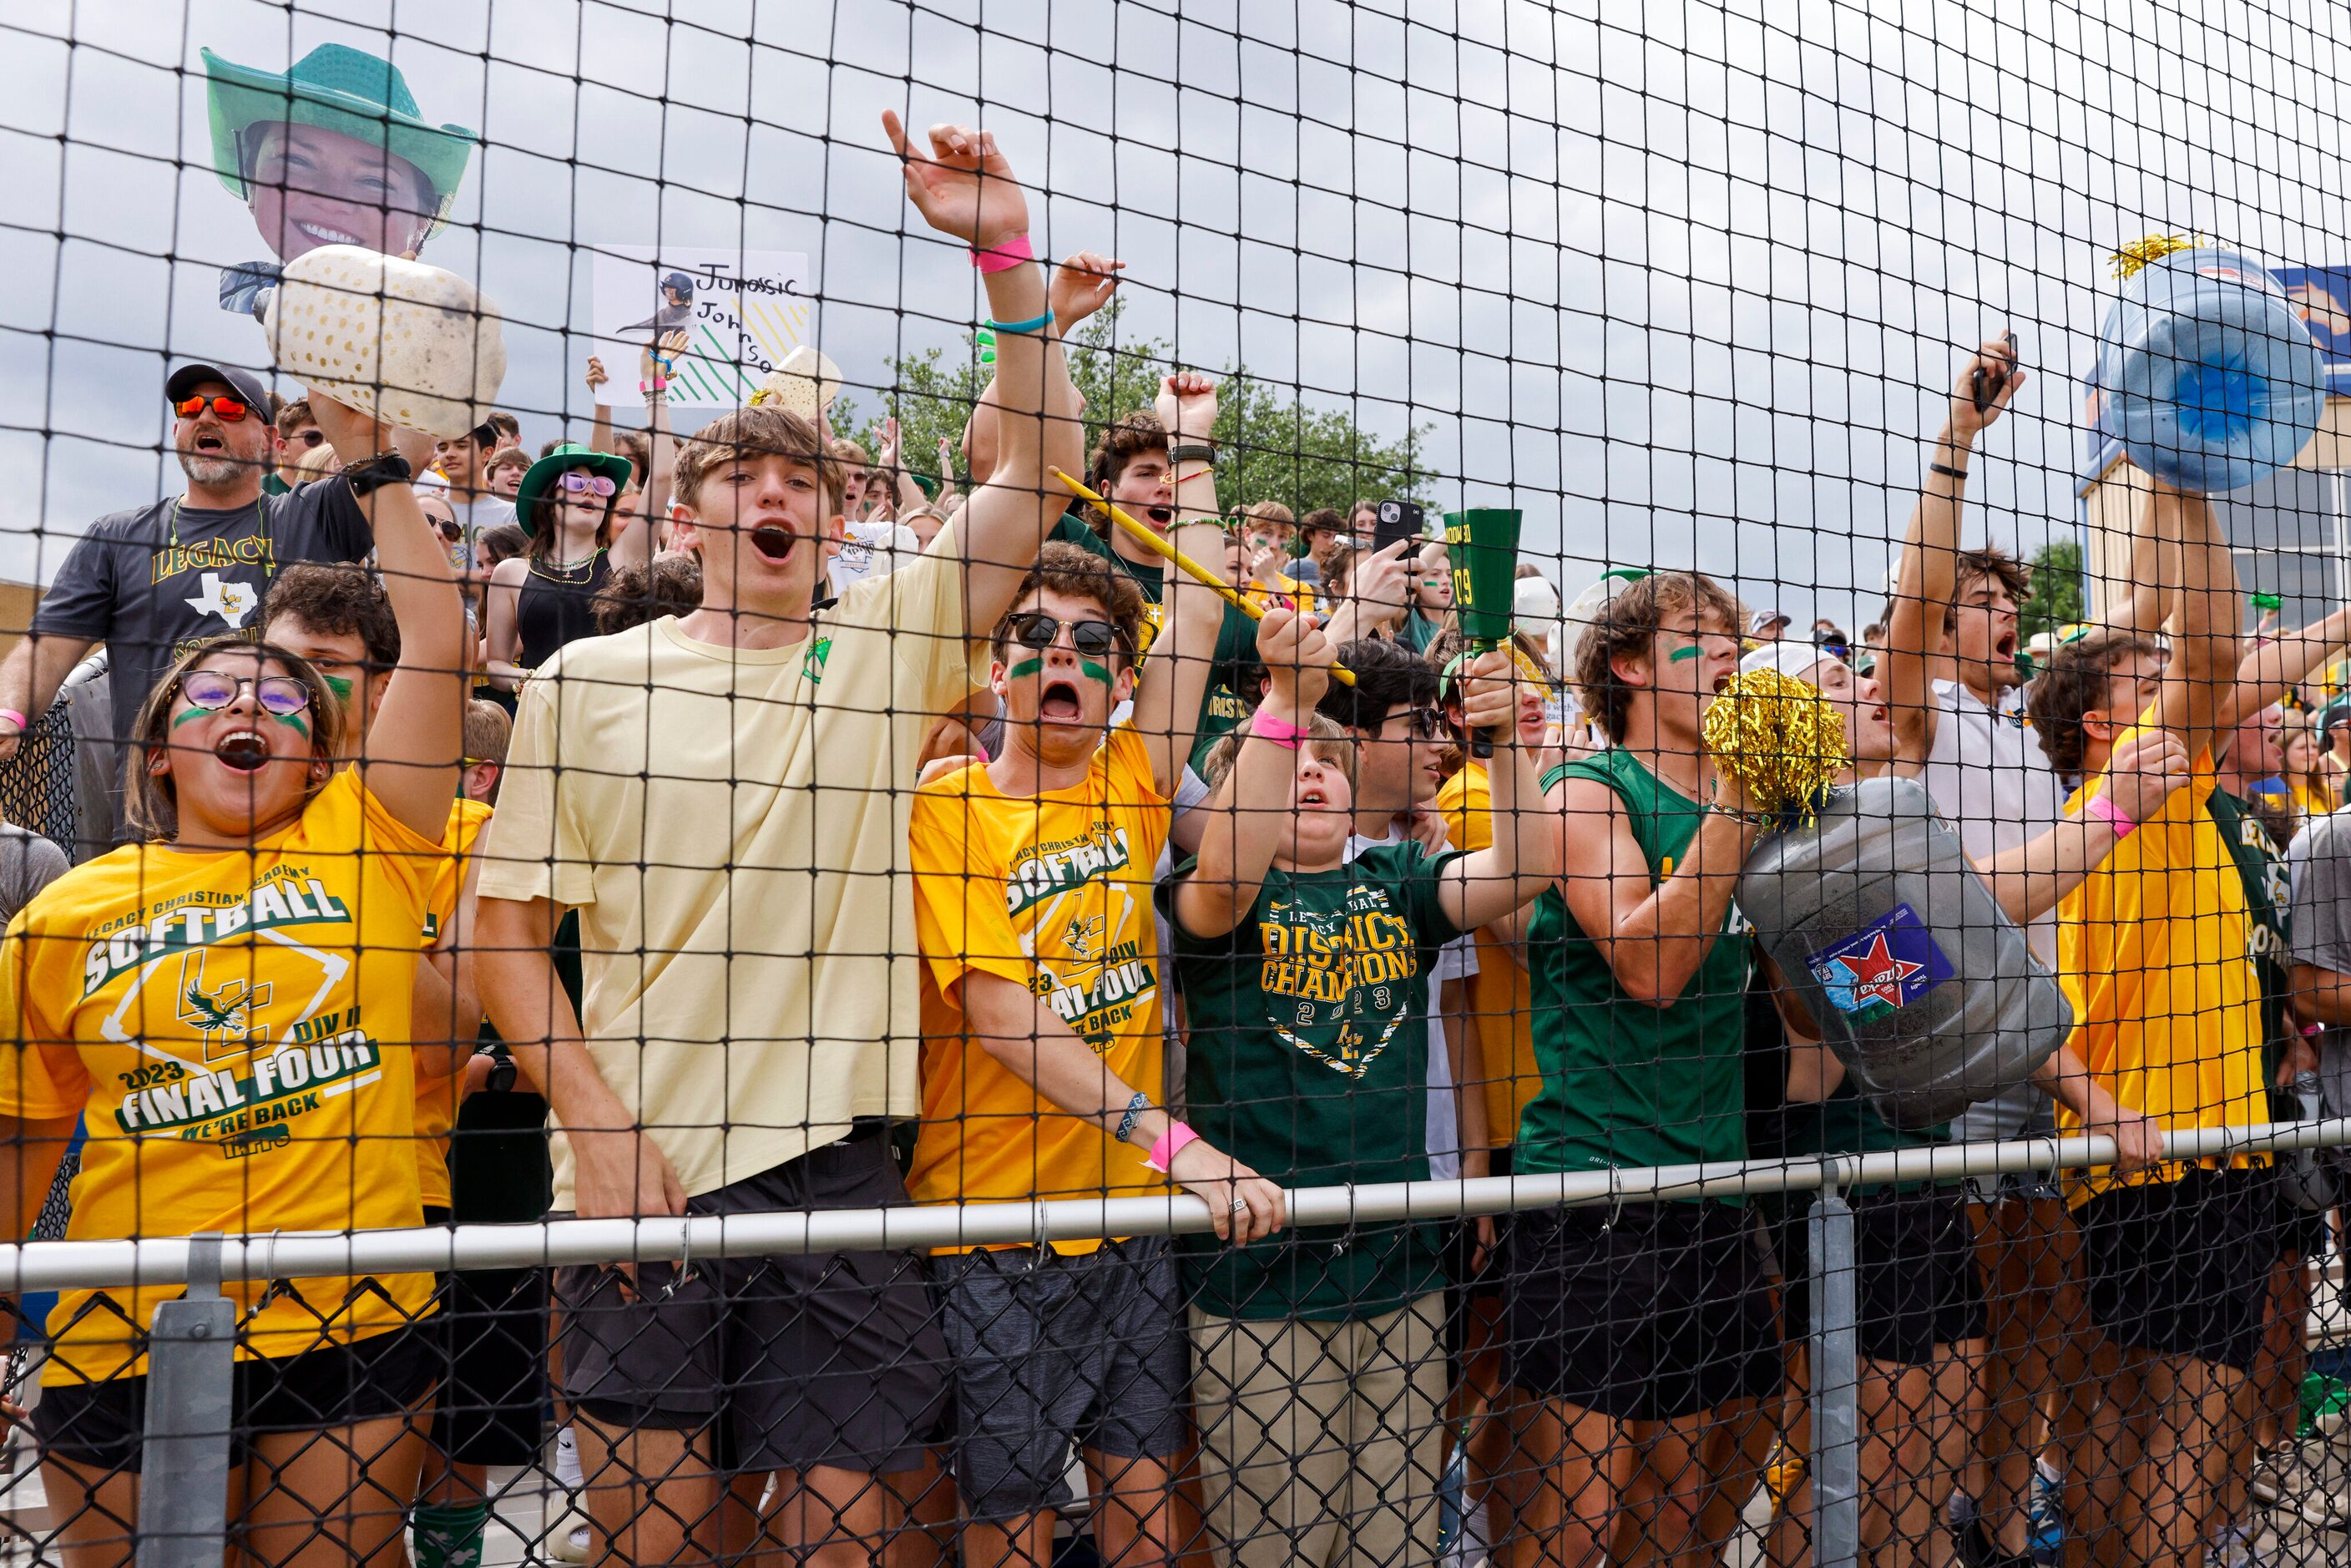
1625, 1083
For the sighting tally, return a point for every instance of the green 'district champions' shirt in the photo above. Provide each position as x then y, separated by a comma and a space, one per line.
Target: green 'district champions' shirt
1308, 1062
1625, 1084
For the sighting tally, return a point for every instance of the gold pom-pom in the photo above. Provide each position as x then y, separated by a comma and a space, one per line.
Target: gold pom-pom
1780, 739
2154, 247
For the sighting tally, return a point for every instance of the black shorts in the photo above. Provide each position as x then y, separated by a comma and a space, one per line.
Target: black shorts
99, 1426
786, 1361
1650, 1312
2183, 1267
1469, 1288
1916, 1282
491, 1338
494, 1393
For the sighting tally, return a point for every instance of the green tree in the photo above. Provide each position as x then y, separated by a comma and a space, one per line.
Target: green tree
2056, 600
1274, 446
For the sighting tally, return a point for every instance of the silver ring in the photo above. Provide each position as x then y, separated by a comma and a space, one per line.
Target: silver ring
1239, 1204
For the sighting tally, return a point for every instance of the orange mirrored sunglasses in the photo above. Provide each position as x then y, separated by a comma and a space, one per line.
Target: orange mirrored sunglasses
228, 408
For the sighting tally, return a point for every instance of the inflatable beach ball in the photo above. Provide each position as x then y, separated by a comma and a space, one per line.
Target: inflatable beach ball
411, 344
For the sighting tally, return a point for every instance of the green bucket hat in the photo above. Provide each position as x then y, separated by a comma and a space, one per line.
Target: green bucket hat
541, 477
336, 88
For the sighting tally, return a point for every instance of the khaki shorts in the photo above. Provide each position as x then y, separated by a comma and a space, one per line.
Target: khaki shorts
1322, 1443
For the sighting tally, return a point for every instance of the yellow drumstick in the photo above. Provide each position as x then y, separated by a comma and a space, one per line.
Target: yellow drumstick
1178, 559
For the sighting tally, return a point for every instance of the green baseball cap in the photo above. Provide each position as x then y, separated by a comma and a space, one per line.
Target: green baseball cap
336, 88
542, 474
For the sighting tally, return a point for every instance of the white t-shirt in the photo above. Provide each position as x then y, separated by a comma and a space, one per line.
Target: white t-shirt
1992, 781
483, 512
731, 825
1456, 960
1993, 784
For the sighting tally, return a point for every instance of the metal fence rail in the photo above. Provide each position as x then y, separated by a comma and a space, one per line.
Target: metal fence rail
183, 1501
151, 1260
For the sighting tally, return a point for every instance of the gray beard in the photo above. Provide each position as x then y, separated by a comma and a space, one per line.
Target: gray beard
211, 471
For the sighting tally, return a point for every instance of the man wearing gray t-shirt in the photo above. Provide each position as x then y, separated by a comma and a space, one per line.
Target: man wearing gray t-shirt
2319, 947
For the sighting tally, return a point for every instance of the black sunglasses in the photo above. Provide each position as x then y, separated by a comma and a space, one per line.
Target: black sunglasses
1038, 630
311, 436
1427, 723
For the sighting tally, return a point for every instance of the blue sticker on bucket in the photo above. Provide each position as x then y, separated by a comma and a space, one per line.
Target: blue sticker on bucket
1887, 964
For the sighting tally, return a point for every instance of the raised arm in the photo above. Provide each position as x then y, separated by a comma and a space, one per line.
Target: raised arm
411, 759
965, 189
1239, 844
1523, 859
1930, 552
1081, 286
635, 545
1176, 681
1377, 594
2153, 563
1653, 934
599, 431
2270, 669
2204, 653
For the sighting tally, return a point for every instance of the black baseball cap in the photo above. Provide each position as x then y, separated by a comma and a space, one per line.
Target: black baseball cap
187, 378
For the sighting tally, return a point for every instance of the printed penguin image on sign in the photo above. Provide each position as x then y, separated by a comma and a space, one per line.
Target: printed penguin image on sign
1887, 964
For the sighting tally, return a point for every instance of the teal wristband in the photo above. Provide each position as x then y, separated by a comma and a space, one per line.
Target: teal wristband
1036, 324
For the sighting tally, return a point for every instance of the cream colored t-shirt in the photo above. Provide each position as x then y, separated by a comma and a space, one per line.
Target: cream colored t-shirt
731, 825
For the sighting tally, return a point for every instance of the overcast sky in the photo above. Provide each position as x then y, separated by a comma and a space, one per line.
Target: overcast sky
1673, 281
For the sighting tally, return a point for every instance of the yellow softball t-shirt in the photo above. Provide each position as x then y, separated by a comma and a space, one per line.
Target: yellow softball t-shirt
1501, 994
234, 1030
436, 1098
2154, 952
1052, 892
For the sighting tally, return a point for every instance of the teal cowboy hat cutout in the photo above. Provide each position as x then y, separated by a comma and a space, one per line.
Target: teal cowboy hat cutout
341, 89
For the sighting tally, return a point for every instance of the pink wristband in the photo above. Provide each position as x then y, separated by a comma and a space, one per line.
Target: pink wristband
1281, 732
1171, 1144
22, 723
1011, 253
2106, 811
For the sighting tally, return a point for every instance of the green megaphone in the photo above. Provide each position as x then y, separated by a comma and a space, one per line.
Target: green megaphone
1483, 545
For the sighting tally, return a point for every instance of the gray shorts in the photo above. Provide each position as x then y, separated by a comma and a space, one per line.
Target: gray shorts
1053, 1349
785, 1362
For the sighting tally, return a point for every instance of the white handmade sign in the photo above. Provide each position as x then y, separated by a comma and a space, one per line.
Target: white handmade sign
742, 312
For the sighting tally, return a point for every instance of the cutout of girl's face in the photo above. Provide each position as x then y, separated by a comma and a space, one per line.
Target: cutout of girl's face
308, 186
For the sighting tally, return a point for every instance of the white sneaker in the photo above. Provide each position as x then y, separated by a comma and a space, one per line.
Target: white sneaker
568, 1541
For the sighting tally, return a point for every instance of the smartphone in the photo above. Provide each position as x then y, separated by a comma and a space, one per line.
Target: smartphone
1984, 389
1399, 520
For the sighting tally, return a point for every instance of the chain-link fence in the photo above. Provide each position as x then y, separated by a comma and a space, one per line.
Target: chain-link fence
756, 879
38, 785
1814, 1470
